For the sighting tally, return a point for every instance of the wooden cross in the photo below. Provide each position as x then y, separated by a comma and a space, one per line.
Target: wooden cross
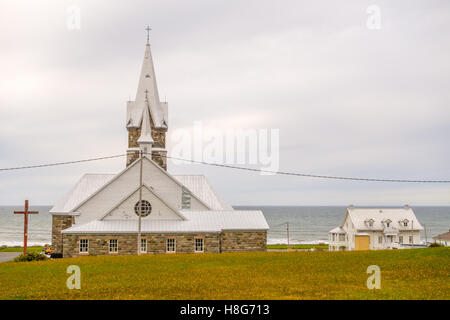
25, 228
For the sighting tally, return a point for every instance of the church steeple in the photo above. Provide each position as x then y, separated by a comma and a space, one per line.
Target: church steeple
145, 140
147, 116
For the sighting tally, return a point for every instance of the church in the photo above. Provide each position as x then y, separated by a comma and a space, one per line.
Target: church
144, 209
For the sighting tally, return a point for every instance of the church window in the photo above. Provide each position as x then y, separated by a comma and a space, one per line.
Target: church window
199, 247
185, 198
84, 245
146, 208
143, 245
113, 246
170, 244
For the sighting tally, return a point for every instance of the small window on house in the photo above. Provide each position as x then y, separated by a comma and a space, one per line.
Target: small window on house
143, 245
380, 239
113, 246
199, 245
405, 223
146, 208
400, 239
410, 239
170, 245
84, 245
342, 237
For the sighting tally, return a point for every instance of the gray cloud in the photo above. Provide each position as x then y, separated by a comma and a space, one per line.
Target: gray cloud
347, 100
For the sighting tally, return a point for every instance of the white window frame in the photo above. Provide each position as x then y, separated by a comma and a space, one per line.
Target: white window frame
202, 245
400, 239
84, 244
143, 245
380, 239
341, 237
410, 239
169, 246
114, 247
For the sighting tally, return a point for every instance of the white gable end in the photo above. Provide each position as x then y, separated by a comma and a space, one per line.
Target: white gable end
118, 188
159, 211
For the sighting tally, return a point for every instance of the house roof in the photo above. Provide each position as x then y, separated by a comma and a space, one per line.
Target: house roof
197, 221
87, 185
359, 216
91, 183
337, 230
443, 236
199, 186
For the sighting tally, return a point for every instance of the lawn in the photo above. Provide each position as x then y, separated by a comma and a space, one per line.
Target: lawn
405, 274
20, 249
297, 246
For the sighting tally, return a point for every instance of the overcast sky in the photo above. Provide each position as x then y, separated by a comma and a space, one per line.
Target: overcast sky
347, 99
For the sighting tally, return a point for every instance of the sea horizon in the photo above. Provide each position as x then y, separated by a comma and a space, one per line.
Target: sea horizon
308, 224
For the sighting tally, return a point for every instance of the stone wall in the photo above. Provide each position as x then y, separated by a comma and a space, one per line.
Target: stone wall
127, 243
59, 223
243, 241
159, 137
156, 243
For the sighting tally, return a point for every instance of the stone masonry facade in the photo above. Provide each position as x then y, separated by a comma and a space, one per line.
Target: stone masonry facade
59, 223
158, 135
156, 243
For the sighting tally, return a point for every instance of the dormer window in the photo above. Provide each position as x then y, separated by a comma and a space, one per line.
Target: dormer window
369, 222
387, 223
405, 223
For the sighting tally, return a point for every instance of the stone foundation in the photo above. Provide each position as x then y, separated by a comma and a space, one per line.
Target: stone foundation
156, 243
60, 223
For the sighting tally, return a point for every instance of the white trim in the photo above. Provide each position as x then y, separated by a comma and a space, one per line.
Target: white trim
176, 211
128, 168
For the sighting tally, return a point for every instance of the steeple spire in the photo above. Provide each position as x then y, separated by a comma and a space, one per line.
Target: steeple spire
145, 140
148, 34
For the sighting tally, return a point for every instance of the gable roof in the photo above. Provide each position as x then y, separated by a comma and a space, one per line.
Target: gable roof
87, 185
199, 185
91, 184
196, 221
443, 236
359, 216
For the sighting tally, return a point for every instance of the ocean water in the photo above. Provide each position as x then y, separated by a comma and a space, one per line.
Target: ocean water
306, 224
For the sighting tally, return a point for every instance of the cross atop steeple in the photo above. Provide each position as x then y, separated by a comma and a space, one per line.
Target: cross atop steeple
148, 34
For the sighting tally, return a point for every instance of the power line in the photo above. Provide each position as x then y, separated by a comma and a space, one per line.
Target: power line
61, 163
305, 175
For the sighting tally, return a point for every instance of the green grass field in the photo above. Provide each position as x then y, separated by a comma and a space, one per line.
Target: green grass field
297, 246
405, 274
20, 249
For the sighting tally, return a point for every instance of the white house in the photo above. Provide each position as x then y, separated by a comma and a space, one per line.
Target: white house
376, 228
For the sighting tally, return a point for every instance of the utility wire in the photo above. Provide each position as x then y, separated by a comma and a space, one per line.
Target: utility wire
306, 175
61, 163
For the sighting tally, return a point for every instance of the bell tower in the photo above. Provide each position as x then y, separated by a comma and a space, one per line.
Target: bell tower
147, 116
